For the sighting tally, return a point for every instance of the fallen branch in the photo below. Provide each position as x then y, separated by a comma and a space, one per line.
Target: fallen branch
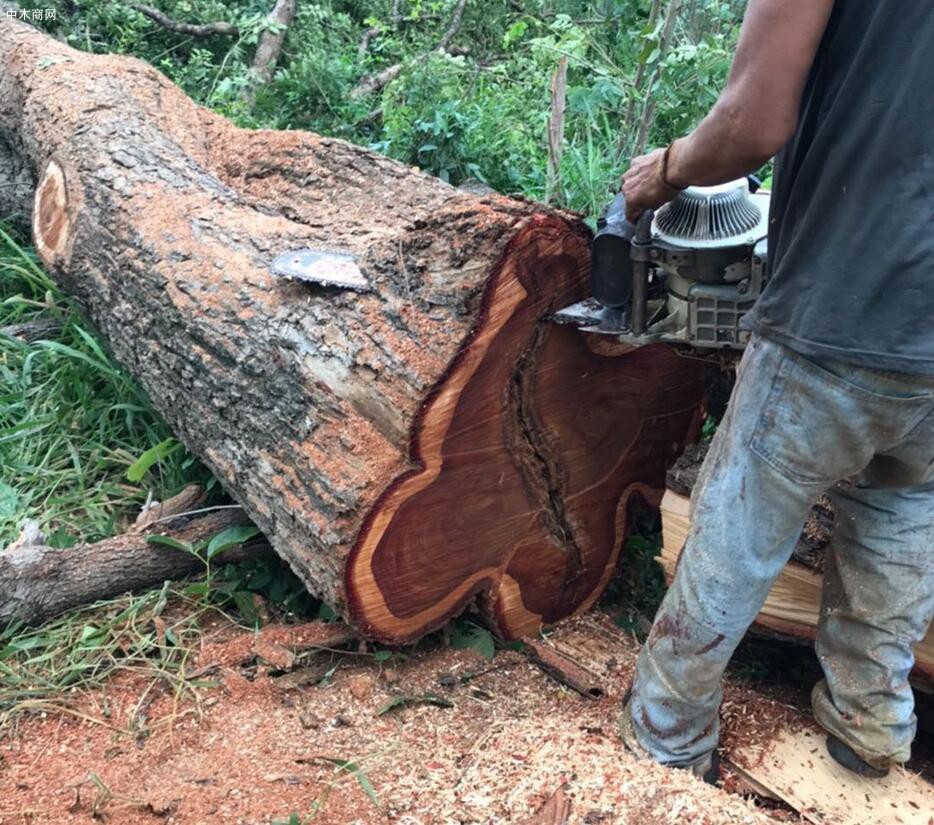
38, 582
35, 330
454, 26
270, 47
374, 83
193, 29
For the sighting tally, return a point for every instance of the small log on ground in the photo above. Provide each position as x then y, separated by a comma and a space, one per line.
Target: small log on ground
39, 582
410, 450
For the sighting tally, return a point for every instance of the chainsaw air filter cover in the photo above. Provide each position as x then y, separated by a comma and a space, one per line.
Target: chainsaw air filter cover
713, 216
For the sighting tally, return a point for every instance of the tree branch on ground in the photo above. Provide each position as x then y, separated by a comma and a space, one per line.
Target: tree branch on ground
38, 582
366, 38
454, 26
374, 83
193, 29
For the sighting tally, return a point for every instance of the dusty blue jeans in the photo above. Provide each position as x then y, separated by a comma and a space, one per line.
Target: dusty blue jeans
792, 430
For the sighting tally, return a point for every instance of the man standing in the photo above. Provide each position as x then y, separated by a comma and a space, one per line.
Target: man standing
836, 384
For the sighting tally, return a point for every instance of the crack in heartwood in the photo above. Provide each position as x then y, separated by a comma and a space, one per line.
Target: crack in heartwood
530, 453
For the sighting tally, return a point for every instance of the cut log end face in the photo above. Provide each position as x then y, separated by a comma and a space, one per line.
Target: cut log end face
527, 454
51, 220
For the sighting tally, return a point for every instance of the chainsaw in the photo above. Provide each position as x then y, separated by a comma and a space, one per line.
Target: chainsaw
683, 275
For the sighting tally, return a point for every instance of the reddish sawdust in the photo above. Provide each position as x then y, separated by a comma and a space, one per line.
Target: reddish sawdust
255, 745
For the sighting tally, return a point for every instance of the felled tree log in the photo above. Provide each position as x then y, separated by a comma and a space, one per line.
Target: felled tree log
39, 582
411, 450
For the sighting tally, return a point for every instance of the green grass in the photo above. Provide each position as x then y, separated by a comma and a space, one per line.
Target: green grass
153, 635
43, 669
72, 423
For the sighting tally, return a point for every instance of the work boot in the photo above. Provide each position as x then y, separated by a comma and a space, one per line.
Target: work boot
708, 770
844, 755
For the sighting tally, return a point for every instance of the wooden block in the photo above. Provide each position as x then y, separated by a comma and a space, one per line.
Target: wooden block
797, 768
793, 606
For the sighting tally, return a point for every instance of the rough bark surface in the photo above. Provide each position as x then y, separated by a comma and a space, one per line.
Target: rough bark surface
407, 450
37, 582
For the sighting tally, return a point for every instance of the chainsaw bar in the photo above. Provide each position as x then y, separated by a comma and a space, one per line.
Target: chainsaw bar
589, 316
320, 266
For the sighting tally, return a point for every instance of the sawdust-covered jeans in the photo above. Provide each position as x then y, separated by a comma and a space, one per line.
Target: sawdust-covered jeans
793, 429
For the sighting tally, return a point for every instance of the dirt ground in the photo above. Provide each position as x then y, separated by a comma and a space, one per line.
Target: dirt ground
253, 747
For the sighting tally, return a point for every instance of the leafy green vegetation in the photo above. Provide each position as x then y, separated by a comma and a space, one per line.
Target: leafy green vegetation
39, 667
72, 424
478, 110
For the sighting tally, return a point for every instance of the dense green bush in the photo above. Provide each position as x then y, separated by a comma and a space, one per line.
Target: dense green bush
480, 111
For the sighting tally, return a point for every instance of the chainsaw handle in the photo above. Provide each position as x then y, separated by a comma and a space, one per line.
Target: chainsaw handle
644, 227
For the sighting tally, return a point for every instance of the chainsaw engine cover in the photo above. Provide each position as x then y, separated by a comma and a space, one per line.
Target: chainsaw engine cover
689, 280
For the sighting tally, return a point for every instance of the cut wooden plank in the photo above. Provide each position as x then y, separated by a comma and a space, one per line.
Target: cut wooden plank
797, 768
793, 606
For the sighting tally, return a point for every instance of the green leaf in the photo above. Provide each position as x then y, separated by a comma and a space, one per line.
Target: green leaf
148, 459
392, 704
9, 501
243, 599
368, 788
326, 679
469, 636
52, 60
514, 33
230, 537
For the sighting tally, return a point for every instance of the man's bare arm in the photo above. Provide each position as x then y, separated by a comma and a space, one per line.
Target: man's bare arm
757, 112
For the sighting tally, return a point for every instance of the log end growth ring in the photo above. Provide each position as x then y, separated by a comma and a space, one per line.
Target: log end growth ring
525, 457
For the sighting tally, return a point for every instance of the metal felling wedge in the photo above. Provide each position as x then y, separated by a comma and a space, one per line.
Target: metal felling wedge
320, 266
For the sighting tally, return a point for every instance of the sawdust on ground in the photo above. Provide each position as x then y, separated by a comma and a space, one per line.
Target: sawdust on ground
257, 746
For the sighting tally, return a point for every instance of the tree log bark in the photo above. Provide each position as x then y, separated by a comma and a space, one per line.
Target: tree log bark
409, 451
38, 582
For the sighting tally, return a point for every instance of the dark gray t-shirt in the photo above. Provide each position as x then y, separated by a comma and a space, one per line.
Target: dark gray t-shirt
851, 240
